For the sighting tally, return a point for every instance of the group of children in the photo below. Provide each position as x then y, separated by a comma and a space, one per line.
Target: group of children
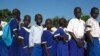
65, 40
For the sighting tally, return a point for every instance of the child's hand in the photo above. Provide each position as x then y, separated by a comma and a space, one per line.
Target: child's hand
79, 44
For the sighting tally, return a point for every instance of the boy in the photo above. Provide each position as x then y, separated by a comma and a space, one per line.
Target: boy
76, 29
93, 33
35, 36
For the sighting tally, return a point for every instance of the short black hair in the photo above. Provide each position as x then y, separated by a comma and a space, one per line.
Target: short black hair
77, 8
48, 20
15, 11
37, 16
93, 9
62, 19
26, 16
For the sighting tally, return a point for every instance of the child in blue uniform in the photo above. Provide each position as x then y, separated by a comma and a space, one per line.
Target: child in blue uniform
14, 26
62, 38
24, 36
48, 41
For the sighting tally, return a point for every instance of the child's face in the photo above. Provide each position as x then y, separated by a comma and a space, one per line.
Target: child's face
95, 14
38, 20
27, 21
62, 22
77, 13
17, 15
49, 25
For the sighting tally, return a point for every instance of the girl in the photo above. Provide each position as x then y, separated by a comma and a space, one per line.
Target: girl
62, 38
24, 36
48, 41
35, 36
14, 26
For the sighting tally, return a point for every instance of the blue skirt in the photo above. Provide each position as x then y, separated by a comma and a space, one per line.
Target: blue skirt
37, 50
3, 49
62, 49
93, 48
24, 52
74, 50
14, 49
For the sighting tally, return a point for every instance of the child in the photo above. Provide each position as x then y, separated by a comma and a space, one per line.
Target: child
48, 41
14, 26
62, 38
76, 29
24, 36
93, 33
35, 36
3, 47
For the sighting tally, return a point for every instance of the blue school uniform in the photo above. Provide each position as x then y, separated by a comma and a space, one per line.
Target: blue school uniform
62, 48
93, 47
3, 49
74, 49
14, 48
24, 34
48, 37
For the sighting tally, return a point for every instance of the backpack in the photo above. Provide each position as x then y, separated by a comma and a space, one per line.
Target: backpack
7, 37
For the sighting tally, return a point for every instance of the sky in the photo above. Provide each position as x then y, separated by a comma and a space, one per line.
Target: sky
50, 8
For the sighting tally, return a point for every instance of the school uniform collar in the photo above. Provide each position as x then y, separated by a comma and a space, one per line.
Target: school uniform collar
38, 25
61, 27
93, 18
28, 30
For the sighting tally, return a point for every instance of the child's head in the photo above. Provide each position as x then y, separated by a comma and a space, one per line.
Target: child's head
27, 20
48, 24
16, 13
66, 23
38, 19
94, 12
62, 22
55, 23
77, 12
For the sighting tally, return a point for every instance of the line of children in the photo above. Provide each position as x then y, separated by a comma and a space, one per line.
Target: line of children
54, 40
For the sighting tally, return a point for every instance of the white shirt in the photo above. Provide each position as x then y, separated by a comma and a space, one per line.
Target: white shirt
35, 35
77, 26
94, 27
3, 23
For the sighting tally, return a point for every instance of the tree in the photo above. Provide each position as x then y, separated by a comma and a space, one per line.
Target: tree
6, 14
85, 17
56, 21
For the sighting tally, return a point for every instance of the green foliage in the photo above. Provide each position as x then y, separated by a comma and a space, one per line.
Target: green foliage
6, 14
85, 17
